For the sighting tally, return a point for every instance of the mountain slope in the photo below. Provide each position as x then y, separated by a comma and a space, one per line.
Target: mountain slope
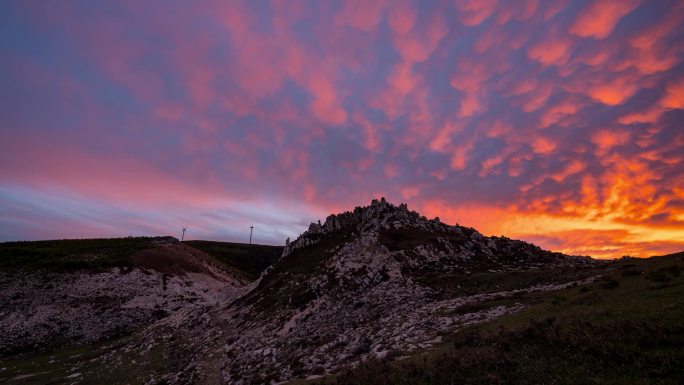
625, 328
85, 291
363, 284
248, 258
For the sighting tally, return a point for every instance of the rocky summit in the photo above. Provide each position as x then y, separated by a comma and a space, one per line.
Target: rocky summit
378, 282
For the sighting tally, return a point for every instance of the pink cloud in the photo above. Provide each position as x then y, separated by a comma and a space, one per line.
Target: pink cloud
361, 14
474, 12
372, 137
558, 112
402, 17
551, 51
599, 19
674, 95
570, 117
422, 42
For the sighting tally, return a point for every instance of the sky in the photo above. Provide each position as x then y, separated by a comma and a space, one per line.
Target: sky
557, 122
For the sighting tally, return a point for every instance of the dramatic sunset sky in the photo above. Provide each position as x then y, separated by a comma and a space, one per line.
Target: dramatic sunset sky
557, 122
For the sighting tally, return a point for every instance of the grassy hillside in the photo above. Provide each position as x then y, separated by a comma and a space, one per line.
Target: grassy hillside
625, 328
250, 259
73, 254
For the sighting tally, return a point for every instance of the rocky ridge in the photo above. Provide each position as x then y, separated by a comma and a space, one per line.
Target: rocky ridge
352, 288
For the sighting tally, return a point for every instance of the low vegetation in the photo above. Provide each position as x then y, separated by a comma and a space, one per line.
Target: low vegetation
295, 266
74, 254
625, 328
66, 255
250, 259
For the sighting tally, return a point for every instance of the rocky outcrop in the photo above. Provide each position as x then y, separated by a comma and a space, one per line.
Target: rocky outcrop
336, 222
439, 240
353, 287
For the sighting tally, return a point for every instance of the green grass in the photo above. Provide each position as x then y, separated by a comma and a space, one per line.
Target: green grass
74, 254
250, 259
625, 328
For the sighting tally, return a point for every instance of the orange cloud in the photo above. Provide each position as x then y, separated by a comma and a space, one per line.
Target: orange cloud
554, 114
650, 115
568, 234
537, 98
674, 95
613, 93
607, 139
571, 168
599, 19
489, 165
652, 35
542, 145
673, 98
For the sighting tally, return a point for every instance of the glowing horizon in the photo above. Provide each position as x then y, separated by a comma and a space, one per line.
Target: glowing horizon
555, 122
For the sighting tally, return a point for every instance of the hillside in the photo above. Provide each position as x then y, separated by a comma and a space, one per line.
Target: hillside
378, 280
85, 291
249, 259
625, 328
73, 254
376, 295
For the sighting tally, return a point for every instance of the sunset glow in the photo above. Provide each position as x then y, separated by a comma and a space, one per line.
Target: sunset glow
556, 122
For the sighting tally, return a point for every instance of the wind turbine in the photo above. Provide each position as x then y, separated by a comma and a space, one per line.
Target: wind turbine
183, 235
251, 228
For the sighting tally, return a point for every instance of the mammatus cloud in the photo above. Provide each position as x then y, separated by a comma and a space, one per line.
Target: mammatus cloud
556, 122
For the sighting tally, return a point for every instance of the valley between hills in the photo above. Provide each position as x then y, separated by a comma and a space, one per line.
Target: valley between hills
375, 295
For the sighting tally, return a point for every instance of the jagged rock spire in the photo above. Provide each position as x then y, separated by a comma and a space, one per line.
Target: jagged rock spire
376, 212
